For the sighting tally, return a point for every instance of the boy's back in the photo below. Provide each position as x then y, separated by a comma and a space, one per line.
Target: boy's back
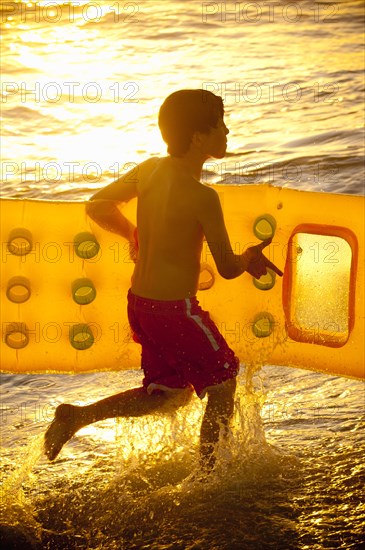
170, 231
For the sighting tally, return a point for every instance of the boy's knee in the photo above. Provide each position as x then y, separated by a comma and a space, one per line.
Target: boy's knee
174, 399
221, 398
231, 385
223, 390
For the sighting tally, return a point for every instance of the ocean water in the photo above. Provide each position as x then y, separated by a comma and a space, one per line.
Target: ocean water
81, 86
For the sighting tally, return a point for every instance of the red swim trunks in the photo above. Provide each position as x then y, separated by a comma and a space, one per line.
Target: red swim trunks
181, 346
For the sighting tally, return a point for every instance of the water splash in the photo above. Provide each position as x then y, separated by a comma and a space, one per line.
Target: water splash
17, 512
145, 485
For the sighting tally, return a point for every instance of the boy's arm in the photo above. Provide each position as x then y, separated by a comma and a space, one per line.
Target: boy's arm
107, 214
103, 206
229, 264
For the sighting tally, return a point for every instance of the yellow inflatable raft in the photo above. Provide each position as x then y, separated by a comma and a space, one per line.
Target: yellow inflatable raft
64, 283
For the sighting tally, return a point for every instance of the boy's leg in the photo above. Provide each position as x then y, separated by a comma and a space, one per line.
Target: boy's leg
136, 402
218, 413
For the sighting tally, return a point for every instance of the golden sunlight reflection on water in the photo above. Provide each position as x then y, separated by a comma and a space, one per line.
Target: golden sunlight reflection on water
92, 85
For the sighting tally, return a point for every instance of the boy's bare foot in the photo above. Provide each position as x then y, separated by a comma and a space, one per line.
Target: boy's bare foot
62, 428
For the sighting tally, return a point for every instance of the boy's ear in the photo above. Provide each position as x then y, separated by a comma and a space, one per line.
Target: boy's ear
196, 139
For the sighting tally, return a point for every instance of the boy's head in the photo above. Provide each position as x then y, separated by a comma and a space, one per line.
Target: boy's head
185, 112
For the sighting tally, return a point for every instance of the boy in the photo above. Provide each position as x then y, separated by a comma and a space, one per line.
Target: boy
182, 349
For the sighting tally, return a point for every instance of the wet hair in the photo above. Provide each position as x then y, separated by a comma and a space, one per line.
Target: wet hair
185, 112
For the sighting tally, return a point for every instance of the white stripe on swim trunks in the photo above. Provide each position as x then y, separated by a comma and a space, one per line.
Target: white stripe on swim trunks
200, 323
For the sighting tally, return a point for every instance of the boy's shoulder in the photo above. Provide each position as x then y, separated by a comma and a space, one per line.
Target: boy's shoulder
208, 193
147, 165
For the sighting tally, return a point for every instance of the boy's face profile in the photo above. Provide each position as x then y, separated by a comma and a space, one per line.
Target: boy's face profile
214, 143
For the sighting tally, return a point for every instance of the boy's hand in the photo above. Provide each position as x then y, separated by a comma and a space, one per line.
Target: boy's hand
257, 262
